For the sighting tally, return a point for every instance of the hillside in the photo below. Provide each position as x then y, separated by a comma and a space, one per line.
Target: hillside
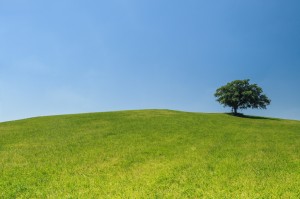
149, 154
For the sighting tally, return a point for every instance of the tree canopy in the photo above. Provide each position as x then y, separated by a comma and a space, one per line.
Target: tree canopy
240, 94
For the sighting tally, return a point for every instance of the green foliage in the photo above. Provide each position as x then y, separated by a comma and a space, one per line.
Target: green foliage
240, 94
149, 154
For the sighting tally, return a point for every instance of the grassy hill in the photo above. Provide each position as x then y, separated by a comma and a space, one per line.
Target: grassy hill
149, 154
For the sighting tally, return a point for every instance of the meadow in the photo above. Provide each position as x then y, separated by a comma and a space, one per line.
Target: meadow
150, 154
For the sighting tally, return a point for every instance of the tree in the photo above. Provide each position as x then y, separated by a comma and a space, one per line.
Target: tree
240, 94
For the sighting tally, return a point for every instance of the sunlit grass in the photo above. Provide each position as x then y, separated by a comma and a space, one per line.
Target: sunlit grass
150, 154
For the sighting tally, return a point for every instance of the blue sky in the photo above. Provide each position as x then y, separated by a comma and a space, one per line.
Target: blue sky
71, 56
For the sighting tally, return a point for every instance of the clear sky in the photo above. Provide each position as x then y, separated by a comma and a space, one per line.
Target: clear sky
74, 56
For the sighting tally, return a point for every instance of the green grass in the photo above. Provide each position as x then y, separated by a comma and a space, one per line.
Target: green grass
150, 154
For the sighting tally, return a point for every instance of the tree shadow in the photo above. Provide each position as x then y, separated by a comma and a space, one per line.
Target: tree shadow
251, 116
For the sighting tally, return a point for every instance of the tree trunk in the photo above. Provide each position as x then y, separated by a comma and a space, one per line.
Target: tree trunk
235, 110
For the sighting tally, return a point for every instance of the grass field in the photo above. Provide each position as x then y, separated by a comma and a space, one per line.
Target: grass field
150, 154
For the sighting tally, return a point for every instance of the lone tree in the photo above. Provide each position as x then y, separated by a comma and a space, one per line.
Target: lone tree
239, 94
